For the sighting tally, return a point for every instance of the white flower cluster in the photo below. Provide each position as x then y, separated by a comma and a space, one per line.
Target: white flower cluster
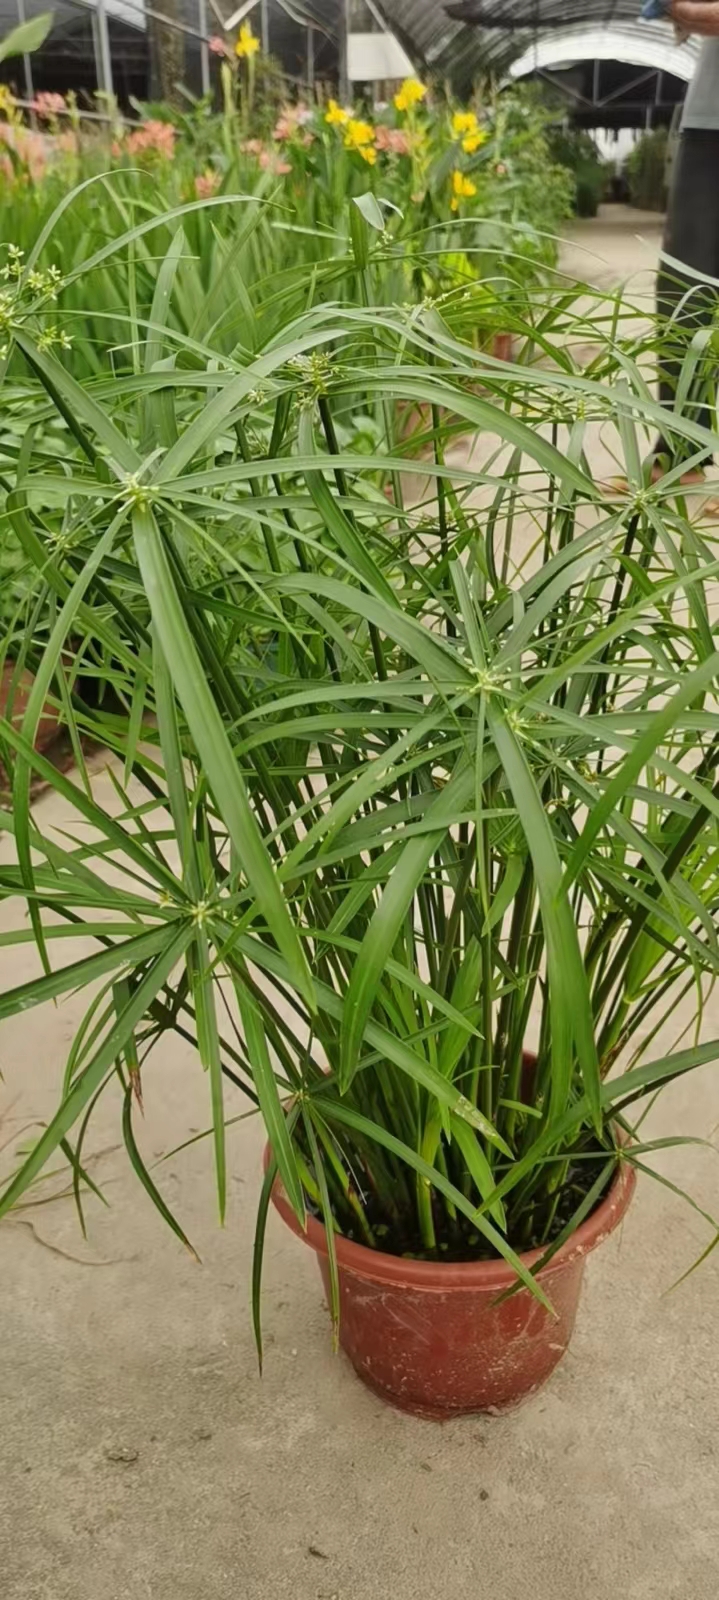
25, 296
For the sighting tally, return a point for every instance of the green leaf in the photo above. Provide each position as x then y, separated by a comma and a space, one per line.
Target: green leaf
208, 1044
80, 404
382, 1040
693, 685
335, 1111
571, 1007
464, 998
33, 712
334, 518
85, 1084
273, 1113
147, 1182
258, 1253
479, 1169
367, 204
132, 953
28, 37
387, 920
329, 1222
158, 415
205, 724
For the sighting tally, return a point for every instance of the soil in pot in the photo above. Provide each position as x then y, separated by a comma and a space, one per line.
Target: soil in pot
458, 1240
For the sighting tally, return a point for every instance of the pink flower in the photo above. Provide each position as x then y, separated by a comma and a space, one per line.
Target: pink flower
206, 183
269, 163
284, 127
292, 118
30, 148
217, 45
252, 147
393, 140
67, 142
47, 105
155, 137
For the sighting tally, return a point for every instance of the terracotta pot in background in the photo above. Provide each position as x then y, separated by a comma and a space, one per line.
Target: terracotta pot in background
414, 417
430, 1337
14, 697
502, 346
20, 692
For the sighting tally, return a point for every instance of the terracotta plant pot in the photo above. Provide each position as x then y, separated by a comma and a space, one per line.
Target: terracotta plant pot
430, 1338
17, 693
502, 346
14, 696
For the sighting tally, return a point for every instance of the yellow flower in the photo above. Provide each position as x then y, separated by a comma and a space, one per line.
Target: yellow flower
247, 45
474, 141
462, 189
359, 136
463, 122
369, 154
7, 101
336, 115
463, 186
410, 94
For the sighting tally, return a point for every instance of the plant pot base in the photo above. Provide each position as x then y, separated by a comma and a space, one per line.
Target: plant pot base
463, 1352
430, 1413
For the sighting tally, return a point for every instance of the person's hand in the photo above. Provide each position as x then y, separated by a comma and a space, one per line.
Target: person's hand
697, 16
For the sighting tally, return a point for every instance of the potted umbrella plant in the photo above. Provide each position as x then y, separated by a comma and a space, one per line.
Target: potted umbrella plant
415, 832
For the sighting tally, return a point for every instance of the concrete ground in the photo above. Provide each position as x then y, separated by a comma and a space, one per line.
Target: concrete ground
621, 245
143, 1458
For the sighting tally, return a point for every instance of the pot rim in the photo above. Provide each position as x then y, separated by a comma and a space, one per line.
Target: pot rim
439, 1276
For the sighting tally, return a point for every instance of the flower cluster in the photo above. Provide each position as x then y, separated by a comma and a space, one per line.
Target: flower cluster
411, 94
54, 339
360, 136
465, 126
336, 115
13, 263
315, 371
392, 141
247, 44
153, 138
48, 106
24, 295
42, 282
293, 123
207, 183
30, 149
462, 189
268, 160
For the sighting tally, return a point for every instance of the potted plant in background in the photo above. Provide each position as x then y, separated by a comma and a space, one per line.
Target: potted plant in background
646, 170
415, 832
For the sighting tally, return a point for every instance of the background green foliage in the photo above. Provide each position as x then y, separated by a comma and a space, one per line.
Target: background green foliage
646, 170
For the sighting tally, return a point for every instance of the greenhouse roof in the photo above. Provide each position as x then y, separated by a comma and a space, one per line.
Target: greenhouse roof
464, 36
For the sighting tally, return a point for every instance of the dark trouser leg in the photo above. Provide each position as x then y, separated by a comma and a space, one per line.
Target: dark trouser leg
684, 303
